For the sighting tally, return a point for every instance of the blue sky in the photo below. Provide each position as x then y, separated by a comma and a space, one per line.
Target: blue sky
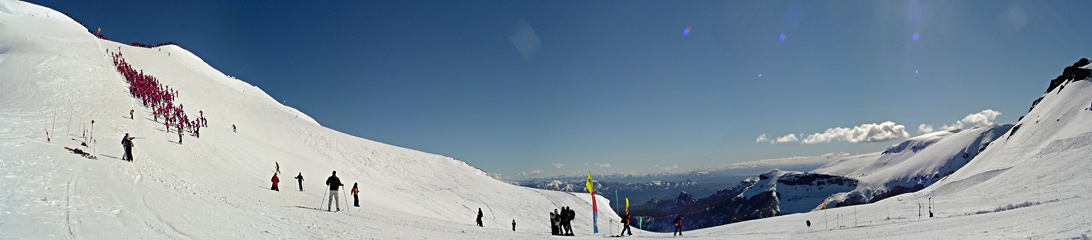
541, 88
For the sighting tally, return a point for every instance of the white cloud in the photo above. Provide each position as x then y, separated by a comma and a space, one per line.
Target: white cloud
558, 165
787, 138
603, 165
783, 139
762, 138
532, 173
954, 126
923, 129
869, 132
983, 118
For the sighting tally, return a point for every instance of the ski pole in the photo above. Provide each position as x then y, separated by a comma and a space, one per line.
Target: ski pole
321, 200
346, 201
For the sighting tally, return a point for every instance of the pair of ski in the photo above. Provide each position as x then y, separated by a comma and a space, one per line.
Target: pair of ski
81, 153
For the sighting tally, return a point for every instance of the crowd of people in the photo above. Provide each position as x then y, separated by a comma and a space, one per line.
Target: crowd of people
160, 98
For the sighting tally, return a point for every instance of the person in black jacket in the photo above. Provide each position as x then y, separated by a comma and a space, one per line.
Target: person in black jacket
625, 225
678, 225
569, 223
334, 183
299, 178
479, 220
127, 144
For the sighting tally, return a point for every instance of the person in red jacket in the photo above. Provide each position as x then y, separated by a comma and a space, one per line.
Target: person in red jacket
275, 180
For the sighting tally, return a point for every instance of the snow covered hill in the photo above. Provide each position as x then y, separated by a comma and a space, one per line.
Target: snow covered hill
58, 78
910, 165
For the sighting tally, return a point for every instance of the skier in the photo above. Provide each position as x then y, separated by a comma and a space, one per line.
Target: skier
356, 198
678, 225
513, 225
625, 225
334, 183
233, 128
300, 179
480, 217
127, 143
275, 180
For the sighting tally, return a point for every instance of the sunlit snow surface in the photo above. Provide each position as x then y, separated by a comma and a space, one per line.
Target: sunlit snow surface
57, 77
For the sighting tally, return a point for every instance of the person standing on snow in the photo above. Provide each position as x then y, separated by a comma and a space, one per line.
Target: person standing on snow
131, 113
127, 144
564, 220
480, 217
300, 179
278, 166
513, 225
356, 198
678, 225
334, 183
553, 222
625, 225
275, 180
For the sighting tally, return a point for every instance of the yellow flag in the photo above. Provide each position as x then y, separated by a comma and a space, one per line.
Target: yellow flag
588, 183
627, 205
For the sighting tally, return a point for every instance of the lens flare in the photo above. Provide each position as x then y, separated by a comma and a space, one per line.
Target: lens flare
781, 38
525, 40
686, 31
915, 36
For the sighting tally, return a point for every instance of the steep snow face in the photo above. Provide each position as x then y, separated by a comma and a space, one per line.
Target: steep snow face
57, 78
912, 164
798, 192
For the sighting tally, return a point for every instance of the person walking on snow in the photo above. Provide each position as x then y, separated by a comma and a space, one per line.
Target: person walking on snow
131, 113
513, 225
625, 225
356, 198
300, 179
278, 166
334, 183
480, 217
275, 180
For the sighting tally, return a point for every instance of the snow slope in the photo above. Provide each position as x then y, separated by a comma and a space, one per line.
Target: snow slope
1034, 183
910, 165
57, 77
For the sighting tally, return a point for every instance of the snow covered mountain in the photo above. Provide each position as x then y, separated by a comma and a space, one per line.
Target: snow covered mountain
58, 78
766, 195
910, 165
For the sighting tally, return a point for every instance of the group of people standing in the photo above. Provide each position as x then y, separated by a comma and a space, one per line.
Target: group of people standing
561, 222
333, 182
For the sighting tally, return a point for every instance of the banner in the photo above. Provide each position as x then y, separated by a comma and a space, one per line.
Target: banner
594, 207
